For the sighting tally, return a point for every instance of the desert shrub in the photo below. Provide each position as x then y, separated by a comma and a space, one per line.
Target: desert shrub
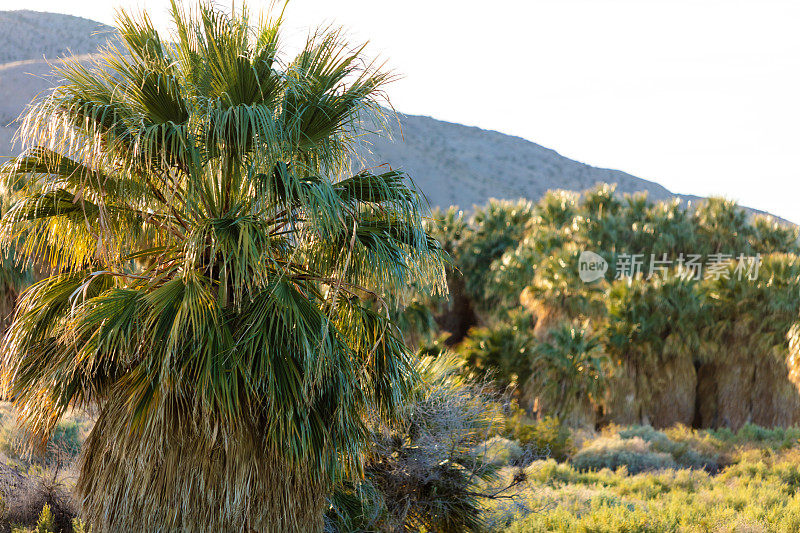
777, 437
608, 516
758, 491
27, 490
646, 433
546, 437
684, 454
44, 524
615, 452
78, 526
66, 438
422, 470
499, 451
62, 447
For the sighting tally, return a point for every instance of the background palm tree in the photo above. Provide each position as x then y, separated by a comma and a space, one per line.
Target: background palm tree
497, 227
750, 325
654, 335
569, 374
219, 288
501, 351
454, 314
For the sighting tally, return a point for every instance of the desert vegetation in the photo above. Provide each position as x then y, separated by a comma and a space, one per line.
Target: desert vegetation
210, 323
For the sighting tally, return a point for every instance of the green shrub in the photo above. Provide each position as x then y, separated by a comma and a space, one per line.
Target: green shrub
615, 452
46, 522
499, 451
542, 438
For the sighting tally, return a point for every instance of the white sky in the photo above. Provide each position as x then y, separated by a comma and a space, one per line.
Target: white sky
702, 96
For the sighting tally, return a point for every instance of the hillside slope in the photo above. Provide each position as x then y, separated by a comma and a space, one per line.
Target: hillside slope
460, 165
20, 82
36, 35
452, 164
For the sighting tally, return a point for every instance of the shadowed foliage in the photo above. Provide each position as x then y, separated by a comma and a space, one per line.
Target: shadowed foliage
218, 284
568, 377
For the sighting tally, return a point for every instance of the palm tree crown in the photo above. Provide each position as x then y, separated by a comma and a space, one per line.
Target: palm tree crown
218, 282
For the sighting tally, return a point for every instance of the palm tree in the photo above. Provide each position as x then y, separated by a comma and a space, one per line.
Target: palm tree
501, 351
751, 323
218, 282
557, 294
769, 235
454, 314
722, 226
569, 374
497, 227
654, 335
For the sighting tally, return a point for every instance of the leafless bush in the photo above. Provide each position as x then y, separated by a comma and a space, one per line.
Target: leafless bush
33, 477
26, 491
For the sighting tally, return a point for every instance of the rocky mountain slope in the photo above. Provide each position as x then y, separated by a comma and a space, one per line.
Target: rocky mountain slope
451, 163
33, 35
460, 165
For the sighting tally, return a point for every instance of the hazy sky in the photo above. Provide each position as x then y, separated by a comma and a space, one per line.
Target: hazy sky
702, 96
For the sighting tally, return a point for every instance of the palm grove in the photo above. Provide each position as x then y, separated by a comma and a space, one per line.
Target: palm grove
701, 348
217, 285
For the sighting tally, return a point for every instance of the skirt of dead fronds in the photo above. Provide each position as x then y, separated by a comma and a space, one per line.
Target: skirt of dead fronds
459, 315
745, 386
180, 474
547, 317
579, 412
659, 395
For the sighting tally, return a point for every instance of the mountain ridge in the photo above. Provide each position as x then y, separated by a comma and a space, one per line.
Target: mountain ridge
424, 145
27, 34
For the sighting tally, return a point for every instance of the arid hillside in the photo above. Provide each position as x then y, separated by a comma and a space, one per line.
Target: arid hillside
35, 35
459, 165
